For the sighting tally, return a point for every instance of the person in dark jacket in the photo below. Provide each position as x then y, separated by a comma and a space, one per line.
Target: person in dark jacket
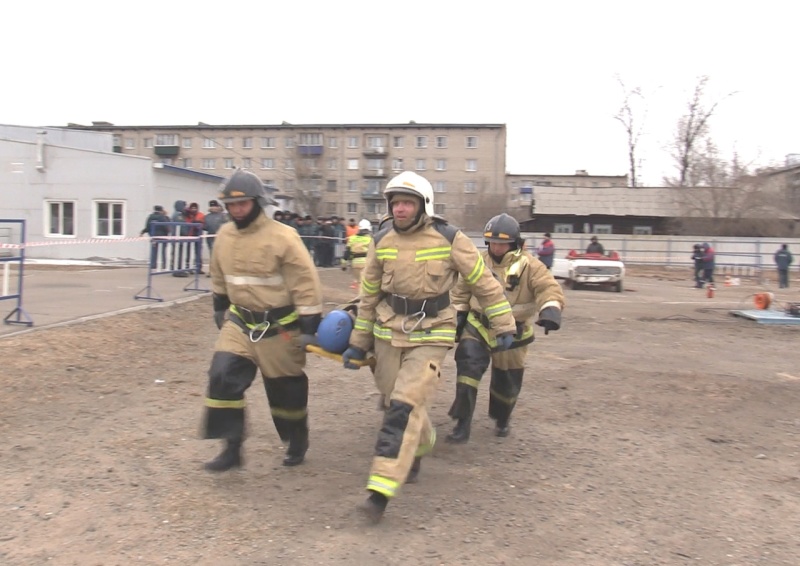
214, 219
697, 258
708, 262
179, 215
158, 215
783, 259
595, 247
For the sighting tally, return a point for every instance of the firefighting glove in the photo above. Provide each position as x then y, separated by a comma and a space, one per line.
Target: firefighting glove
307, 340
221, 305
461, 322
504, 341
549, 319
353, 353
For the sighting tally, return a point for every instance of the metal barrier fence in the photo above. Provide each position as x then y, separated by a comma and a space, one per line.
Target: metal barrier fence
14, 231
171, 254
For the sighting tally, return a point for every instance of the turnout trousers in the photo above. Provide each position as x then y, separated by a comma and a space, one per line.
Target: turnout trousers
236, 359
407, 377
472, 360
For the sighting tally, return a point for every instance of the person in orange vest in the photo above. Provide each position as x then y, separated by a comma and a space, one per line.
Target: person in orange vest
351, 228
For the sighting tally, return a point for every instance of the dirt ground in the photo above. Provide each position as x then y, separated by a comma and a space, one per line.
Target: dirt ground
654, 428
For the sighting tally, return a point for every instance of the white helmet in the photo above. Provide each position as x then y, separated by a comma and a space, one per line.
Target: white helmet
410, 183
365, 224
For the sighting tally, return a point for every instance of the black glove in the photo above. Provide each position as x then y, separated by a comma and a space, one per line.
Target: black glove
520, 330
549, 319
221, 305
309, 323
461, 322
307, 340
353, 353
504, 341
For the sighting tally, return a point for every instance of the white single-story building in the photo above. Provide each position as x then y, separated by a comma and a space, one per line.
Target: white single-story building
80, 200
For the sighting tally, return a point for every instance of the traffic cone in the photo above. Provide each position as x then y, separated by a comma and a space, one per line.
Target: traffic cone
728, 281
710, 291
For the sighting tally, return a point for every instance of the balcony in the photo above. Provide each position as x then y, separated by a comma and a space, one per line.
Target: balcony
169, 150
309, 150
372, 195
375, 151
380, 173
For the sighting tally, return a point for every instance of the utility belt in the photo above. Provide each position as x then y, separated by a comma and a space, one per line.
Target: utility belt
430, 306
264, 324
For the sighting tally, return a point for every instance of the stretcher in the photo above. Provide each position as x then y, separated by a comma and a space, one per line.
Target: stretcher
312, 349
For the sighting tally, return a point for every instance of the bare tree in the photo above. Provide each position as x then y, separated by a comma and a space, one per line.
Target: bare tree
691, 132
627, 116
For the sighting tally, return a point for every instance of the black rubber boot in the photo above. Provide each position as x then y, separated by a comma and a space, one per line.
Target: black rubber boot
374, 506
230, 457
413, 474
296, 452
502, 428
460, 433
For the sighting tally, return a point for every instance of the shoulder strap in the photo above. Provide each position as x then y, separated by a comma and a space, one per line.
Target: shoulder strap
381, 233
445, 229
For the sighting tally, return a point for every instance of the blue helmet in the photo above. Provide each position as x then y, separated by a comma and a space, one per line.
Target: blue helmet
333, 334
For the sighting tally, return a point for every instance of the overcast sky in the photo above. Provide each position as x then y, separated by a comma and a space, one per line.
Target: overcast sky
548, 70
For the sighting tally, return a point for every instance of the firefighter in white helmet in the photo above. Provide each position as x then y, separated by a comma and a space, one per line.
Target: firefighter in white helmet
267, 304
357, 246
405, 315
533, 293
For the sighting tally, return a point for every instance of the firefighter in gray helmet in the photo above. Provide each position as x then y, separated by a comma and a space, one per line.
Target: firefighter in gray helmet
532, 292
267, 304
405, 316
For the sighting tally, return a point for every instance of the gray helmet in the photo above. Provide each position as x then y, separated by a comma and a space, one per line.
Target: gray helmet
244, 185
503, 229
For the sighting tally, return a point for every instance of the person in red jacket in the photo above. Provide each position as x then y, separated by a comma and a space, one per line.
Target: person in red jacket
193, 214
546, 251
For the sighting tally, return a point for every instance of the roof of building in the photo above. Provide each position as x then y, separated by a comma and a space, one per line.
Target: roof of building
188, 172
284, 125
610, 201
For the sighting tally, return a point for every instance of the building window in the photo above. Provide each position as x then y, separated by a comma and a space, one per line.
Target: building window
562, 228
472, 142
441, 142
247, 163
421, 142
186, 162
310, 139
374, 186
109, 219
376, 142
166, 139
472, 164
116, 140
267, 143
373, 164
130, 143
147, 143
377, 208
289, 185
330, 185
60, 219
441, 164
268, 163
438, 209
603, 229
420, 165
642, 230
247, 143
289, 142
166, 161
229, 143
352, 207
209, 143
331, 207
288, 163
397, 164
398, 142
352, 164
470, 187
333, 142
209, 164
333, 164
440, 186
352, 186
352, 142
187, 143
228, 163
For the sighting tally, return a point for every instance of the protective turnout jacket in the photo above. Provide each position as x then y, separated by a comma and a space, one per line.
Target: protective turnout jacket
358, 245
265, 266
529, 287
423, 263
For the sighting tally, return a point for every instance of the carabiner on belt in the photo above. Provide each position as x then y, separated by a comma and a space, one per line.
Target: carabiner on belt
418, 316
260, 329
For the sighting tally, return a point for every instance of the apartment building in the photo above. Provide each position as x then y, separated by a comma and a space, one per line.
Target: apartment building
339, 169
